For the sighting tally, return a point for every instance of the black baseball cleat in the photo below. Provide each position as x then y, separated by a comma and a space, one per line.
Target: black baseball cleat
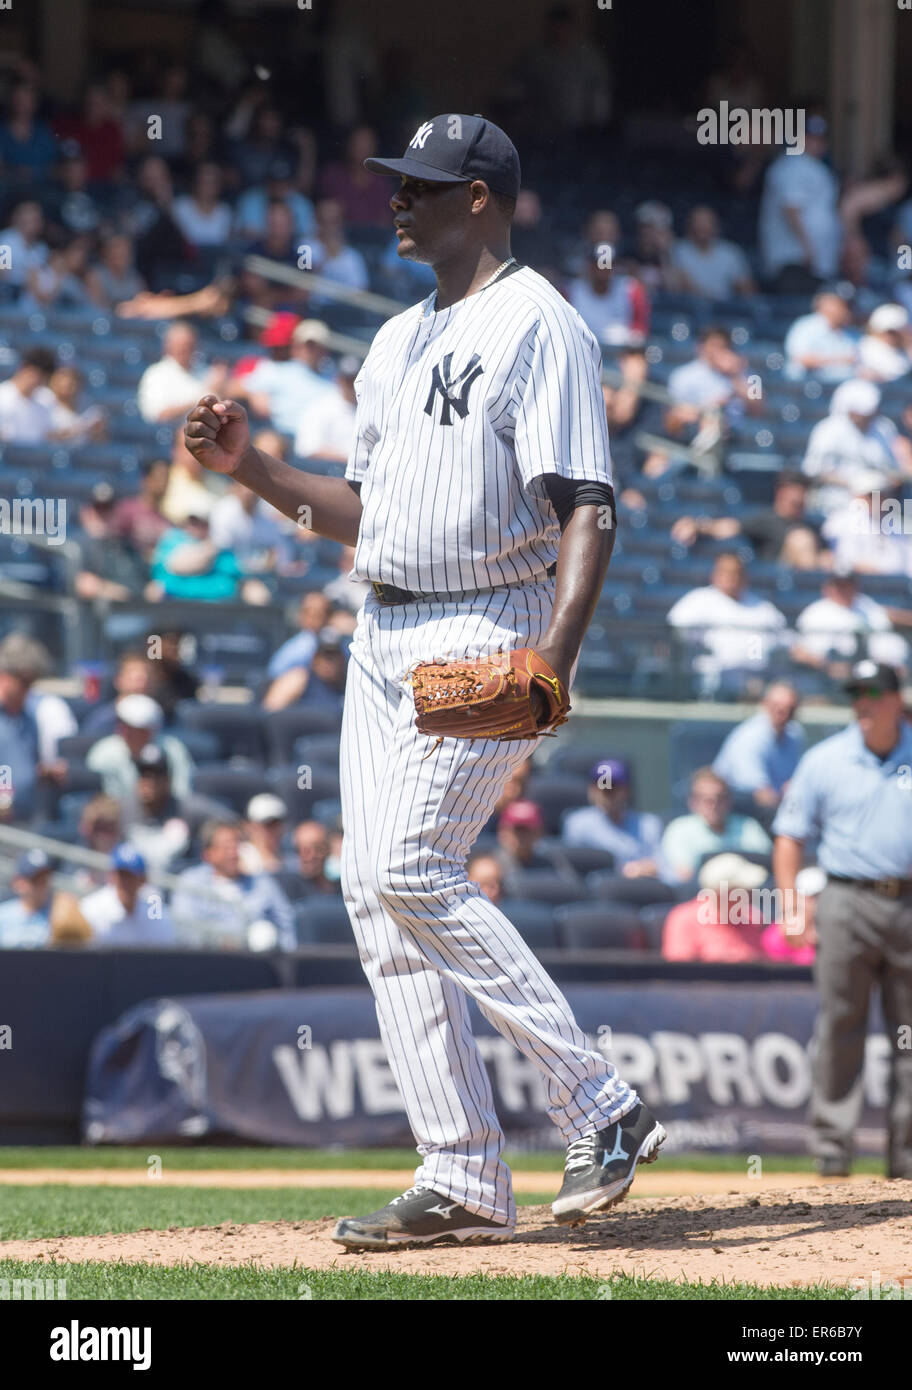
832, 1166
419, 1217
601, 1167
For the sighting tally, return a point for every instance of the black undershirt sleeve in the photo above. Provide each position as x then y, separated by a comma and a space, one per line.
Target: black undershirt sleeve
566, 494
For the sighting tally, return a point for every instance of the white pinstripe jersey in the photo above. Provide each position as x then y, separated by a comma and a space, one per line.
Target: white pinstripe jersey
460, 413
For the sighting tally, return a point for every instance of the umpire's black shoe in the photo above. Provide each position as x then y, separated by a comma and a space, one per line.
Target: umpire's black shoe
418, 1217
601, 1167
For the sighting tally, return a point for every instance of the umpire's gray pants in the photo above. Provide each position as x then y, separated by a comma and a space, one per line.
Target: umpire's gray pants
863, 939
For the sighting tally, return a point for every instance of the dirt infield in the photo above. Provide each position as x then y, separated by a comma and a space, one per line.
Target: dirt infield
651, 1182
823, 1233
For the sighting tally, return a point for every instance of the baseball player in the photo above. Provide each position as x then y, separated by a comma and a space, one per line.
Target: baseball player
478, 496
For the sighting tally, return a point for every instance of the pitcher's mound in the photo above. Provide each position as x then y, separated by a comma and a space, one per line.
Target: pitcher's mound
829, 1233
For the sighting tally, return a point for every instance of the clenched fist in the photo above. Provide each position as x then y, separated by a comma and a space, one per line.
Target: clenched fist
217, 433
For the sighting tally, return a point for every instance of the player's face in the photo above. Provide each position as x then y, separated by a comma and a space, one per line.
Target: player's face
427, 219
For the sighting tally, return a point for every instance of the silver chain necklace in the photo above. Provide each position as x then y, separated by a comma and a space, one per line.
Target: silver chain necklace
511, 260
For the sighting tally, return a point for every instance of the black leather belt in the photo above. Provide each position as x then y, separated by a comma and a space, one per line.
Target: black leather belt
883, 887
389, 594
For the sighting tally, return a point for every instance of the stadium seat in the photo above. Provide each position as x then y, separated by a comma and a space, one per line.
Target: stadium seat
556, 794
317, 748
652, 923
599, 926
323, 921
282, 729
79, 778
293, 884
533, 920
586, 860
237, 654
302, 801
238, 728
639, 892
694, 743
327, 809
545, 886
76, 746
202, 744
578, 758
233, 785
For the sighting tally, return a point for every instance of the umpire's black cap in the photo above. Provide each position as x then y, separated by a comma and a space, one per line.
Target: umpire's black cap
457, 149
872, 675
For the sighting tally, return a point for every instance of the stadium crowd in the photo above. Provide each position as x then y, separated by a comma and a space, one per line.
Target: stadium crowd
757, 344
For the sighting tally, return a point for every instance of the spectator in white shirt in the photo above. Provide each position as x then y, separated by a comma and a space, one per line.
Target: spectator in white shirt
201, 215
139, 722
68, 420
738, 630
706, 265
248, 527
128, 911
326, 427
835, 630
883, 353
800, 232
332, 256
171, 386
853, 440
823, 342
22, 242
711, 380
865, 536
24, 417
714, 381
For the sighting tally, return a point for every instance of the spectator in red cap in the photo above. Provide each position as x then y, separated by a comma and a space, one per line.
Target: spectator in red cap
519, 830
282, 389
276, 336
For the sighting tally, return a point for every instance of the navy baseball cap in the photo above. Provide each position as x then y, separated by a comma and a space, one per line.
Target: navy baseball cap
32, 863
872, 675
616, 770
457, 149
129, 859
152, 758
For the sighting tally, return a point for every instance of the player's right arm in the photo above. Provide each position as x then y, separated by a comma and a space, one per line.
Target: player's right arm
217, 433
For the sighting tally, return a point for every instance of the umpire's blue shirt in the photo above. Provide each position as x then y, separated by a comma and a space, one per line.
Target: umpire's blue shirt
859, 806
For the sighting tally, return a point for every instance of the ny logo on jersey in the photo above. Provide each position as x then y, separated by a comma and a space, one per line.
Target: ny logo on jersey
421, 134
445, 385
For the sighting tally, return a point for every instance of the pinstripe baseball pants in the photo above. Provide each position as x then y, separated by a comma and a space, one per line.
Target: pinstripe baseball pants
428, 937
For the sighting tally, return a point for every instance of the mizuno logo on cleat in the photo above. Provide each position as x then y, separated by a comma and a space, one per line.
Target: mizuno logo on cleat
617, 1151
443, 1211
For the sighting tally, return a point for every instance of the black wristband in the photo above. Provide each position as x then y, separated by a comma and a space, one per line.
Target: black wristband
566, 494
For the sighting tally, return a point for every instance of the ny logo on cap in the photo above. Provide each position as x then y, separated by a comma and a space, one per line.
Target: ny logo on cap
421, 135
444, 385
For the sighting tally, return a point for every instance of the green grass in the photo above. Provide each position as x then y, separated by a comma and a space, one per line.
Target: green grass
94, 1280
27, 1212
193, 1159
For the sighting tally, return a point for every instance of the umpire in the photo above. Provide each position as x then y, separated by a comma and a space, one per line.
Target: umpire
854, 792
